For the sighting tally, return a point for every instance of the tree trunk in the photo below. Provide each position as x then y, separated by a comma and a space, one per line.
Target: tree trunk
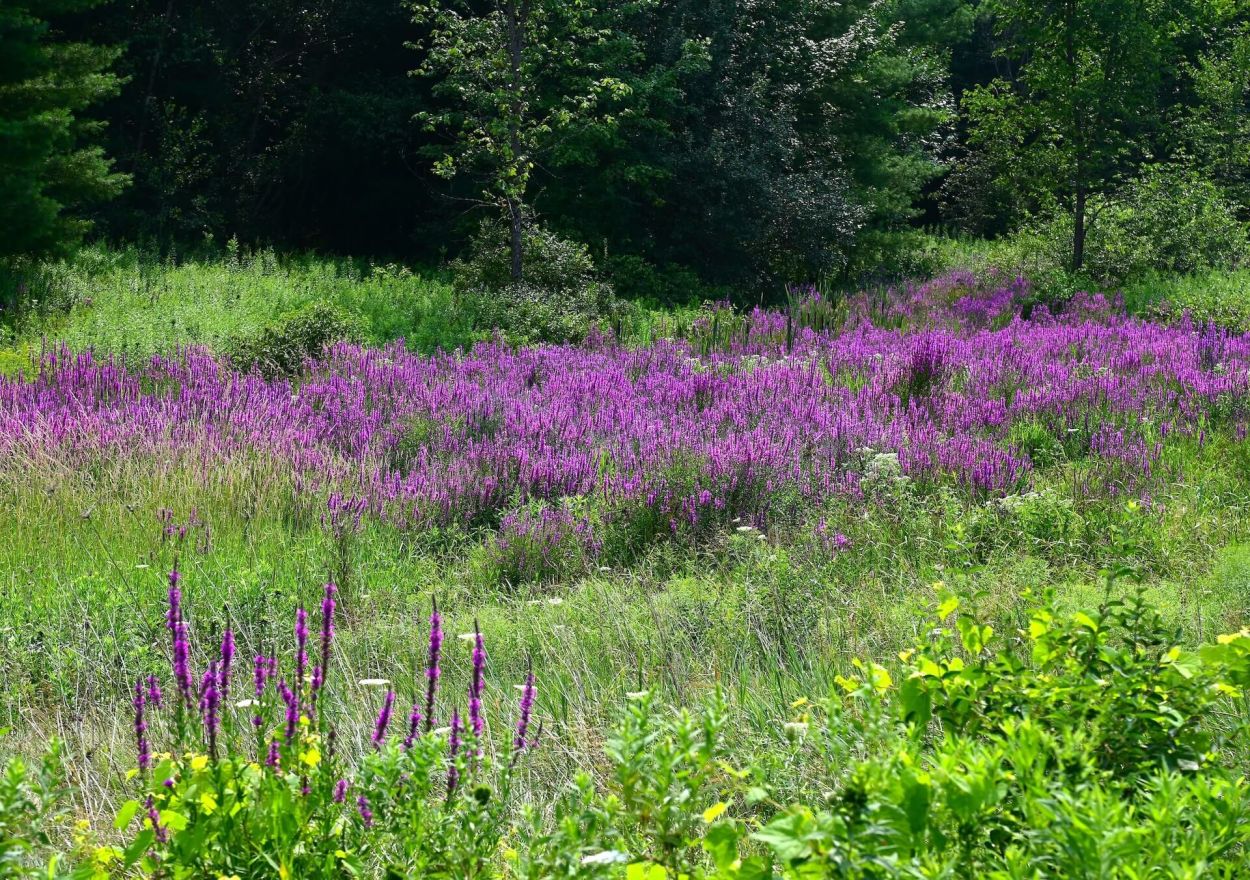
514, 211
516, 26
1078, 230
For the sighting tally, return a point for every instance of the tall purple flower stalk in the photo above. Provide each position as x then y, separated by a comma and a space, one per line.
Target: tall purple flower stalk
414, 724
301, 647
366, 814
260, 673
292, 711
432, 671
162, 834
141, 728
477, 723
178, 636
453, 751
154, 697
521, 741
227, 662
384, 719
328, 605
210, 704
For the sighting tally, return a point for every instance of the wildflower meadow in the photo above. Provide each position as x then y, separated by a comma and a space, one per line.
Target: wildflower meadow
944, 582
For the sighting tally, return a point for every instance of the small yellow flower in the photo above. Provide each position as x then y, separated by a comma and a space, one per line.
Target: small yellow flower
199, 762
712, 813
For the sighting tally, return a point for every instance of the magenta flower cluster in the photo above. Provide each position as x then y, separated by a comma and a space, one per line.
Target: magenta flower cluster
937, 375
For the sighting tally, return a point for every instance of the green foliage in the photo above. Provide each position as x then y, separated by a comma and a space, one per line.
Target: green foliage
561, 300
282, 348
49, 170
1215, 130
1167, 221
518, 78
1089, 102
130, 302
31, 811
1086, 739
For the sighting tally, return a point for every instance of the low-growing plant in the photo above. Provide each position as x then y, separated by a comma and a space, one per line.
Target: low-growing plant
283, 347
560, 299
261, 786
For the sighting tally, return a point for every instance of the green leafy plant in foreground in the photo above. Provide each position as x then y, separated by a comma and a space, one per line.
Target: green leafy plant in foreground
1081, 744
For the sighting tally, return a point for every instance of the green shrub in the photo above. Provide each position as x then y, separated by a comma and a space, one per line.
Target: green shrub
31, 808
1167, 220
281, 348
561, 299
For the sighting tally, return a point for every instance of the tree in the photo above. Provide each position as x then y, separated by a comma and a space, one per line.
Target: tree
1215, 133
49, 169
1089, 98
762, 140
517, 77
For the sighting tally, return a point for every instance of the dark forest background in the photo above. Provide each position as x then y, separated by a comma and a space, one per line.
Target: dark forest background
733, 143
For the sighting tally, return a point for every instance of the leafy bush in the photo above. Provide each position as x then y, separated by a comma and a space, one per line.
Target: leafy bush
281, 348
30, 809
561, 298
1166, 220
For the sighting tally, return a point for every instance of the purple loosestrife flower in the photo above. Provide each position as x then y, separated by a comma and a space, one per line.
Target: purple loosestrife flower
292, 711
328, 605
414, 724
260, 670
227, 661
301, 648
154, 692
178, 638
271, 759
384, 719
340, 791
432, 671
210, 703
141, 728
477, 723
366, 814
453, 752
162, 834
521, 741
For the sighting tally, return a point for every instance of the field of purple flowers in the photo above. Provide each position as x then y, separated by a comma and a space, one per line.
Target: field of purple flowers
746, 417
742, 505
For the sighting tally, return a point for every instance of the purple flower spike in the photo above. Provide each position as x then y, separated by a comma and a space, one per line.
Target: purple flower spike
521, 741
384, 719
432, 671
292, 710
260, 673
328, 605
141, 728
154, 696
366, 815
301, 647
227, 661
340, 791
162, 834
271, 760
414, 725
477, 723
453, 750
210, 703
178, 637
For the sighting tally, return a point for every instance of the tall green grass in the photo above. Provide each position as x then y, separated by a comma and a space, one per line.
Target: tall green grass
133, 303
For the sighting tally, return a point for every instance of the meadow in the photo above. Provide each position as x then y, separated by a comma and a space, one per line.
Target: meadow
951, 580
